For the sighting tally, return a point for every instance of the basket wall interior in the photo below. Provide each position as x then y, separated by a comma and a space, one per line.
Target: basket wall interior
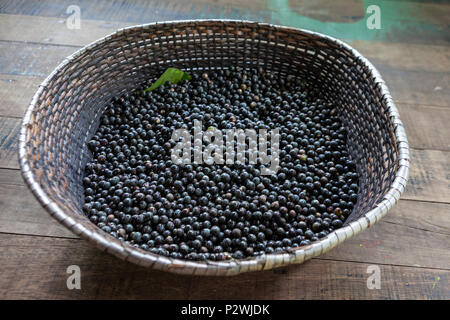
68, 110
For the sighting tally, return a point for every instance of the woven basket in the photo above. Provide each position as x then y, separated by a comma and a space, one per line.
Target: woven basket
65, 112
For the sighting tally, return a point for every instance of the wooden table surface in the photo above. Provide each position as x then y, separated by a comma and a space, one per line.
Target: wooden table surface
411, 245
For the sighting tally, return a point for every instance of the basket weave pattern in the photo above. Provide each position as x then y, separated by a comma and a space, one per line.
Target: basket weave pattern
65, 113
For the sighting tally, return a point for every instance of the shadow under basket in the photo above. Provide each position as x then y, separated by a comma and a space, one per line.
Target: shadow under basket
65, 113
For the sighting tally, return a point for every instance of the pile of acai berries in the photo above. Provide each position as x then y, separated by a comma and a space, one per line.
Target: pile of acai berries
135, 192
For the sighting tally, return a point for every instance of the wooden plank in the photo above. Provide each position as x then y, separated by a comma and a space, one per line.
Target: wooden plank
131, 11
397, 245
16, 198
44, 30
426, 127
48, 30
407, 88
407, 85
411, 72
416, 87
426, 23
429, 176
22, 214
19, 58
320, 279
354, 10
347, 11
428, 216
429, 173
16, 93
44, 262
141, 11
405, 56
9, 140
11, 176
16, 201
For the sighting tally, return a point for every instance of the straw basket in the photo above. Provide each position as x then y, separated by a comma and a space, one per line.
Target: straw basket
65, 112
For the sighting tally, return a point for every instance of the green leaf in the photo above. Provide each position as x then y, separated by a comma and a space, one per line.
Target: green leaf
173, 75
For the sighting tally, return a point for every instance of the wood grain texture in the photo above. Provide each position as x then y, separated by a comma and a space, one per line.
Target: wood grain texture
138, 10
407, 88
428, 216
426, 127
43, 263
11, 176
424, 22
395, 245
9, 140
44, 30
16, 93
424, 215
48, 30
421, 231
353, 10
21, 212
429, 176
330, 10
417, 87
19, 58
405, 56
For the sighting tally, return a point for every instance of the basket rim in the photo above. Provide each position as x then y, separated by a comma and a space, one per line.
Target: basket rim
124, 251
